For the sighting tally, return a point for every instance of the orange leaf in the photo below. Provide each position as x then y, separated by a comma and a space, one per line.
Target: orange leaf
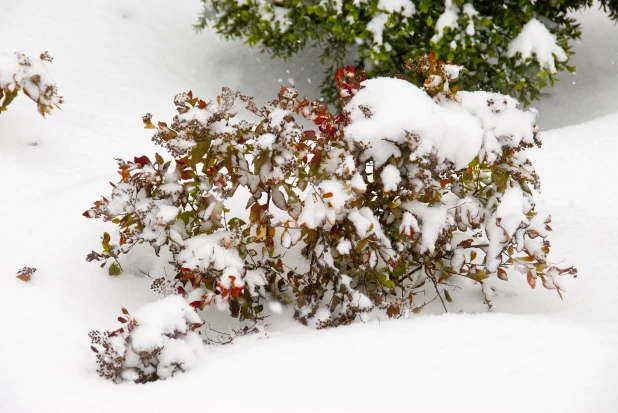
531, 279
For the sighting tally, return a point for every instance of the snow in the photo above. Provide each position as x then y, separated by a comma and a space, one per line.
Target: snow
160, 318
399, 108
376, 27
324, 203
535, 353
535, 39
344, 246
203, 251
512, 210
448, 18
377, 24
434, 221
595, 92
470, 11
266, 141
501, 119
390, 178
405, 7
358, 183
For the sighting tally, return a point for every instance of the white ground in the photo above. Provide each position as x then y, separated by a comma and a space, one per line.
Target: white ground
116, 61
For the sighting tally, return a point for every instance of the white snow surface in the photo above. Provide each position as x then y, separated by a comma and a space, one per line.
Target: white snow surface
535, 354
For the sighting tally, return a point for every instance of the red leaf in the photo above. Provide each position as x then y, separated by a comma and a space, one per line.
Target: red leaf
142, 160
195, 304
94, 349
122, 320
181, 290
236, 291
309, 134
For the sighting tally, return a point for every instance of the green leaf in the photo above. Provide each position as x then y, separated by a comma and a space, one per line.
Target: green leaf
105, 243
114, 269
198, 152
479, 276
389, 284
500, 177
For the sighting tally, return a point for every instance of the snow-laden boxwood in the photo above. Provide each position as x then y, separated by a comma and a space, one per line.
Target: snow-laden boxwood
514, 46
19, 72
394, 202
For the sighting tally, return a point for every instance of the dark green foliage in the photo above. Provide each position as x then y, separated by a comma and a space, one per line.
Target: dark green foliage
340, 29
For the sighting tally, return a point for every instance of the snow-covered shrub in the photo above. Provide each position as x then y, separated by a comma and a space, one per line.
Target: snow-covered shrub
383, 207
512, 46
156, 343
19, 72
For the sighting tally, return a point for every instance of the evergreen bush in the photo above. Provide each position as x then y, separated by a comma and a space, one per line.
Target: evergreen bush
513, 47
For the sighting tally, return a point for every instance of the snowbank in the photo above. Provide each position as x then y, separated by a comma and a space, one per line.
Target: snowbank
538, 355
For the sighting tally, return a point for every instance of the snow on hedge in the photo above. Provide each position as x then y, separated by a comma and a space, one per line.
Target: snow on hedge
535, 39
